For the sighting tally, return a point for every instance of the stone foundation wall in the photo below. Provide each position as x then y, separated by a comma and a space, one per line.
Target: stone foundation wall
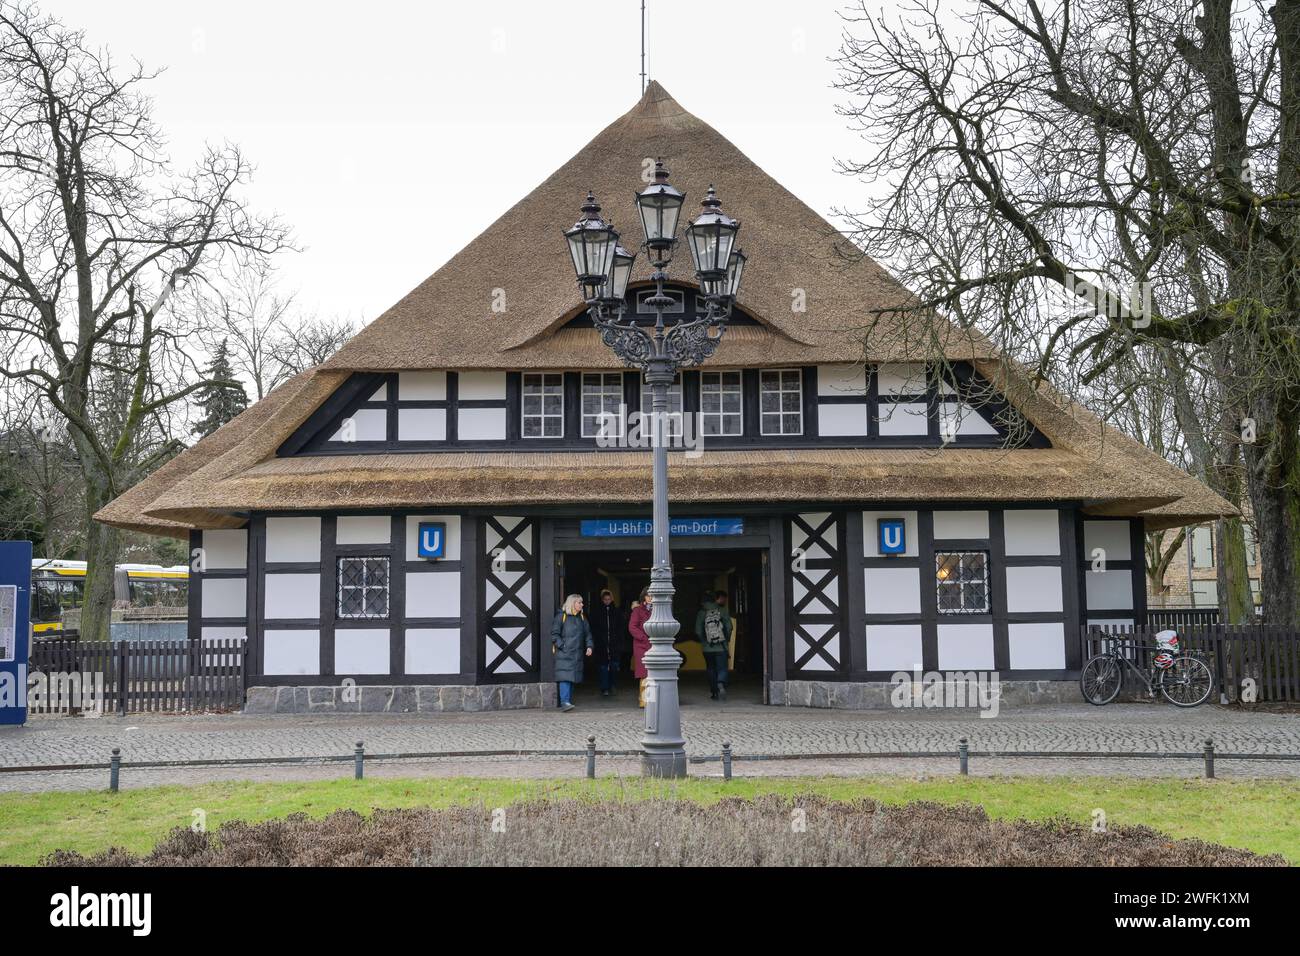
877, 695
398, 699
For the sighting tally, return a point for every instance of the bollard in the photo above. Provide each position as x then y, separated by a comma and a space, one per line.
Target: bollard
591, 758
726, 760
963, 757
360, 760
114, 768
1209, 759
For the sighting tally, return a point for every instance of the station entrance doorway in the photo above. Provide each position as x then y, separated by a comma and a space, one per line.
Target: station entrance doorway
738, 572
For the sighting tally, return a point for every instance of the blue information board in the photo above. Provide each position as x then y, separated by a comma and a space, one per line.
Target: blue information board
644, 527
15, 628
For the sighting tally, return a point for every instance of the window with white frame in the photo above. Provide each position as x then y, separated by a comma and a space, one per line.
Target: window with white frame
543, 405
962, 580
602, 404
363, 587
780, 401
720, 403
673, 427
1203, 546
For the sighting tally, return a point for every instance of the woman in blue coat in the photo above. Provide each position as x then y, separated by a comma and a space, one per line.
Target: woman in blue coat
570, 642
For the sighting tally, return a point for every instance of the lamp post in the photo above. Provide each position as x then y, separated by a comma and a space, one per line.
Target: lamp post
603, 268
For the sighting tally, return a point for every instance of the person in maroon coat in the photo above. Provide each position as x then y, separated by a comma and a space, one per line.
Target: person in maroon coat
640, 639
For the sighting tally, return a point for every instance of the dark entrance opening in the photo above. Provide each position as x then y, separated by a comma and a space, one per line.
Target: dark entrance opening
696, 572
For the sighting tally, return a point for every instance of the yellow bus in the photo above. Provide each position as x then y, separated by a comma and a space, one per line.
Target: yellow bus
59, 586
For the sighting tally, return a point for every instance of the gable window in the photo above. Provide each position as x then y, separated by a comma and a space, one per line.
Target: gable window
602, 404
780, 401
720, 403
362, 587
673, 427
543, 405
962, 580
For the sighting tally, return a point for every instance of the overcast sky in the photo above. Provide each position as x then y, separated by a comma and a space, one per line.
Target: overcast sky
389, 134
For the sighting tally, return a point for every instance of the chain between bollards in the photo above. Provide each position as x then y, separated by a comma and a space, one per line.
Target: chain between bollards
963, 757
359, 760
114, 769
726, 760
1209, 758
591, 757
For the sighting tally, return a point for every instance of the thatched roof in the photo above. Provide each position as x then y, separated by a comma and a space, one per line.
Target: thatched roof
447, 323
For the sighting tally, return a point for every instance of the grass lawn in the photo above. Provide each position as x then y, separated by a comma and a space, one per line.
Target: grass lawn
1256, 815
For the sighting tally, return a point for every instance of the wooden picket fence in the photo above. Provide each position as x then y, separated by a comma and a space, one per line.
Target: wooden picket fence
1179, 617
1262, 658
141, 676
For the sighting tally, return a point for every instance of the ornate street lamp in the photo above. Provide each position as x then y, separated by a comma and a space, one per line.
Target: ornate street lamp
660, 351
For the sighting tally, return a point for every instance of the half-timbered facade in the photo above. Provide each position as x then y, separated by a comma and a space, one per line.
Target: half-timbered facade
406, 518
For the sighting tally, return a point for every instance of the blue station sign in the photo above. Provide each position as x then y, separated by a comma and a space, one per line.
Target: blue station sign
432, 542
15, 628
893, 535
644, 527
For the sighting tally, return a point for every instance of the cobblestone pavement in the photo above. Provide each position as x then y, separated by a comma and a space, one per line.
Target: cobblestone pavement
752, 730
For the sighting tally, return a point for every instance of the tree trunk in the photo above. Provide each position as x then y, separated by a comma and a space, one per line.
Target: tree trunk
103, 544
1235, 602
1274, 481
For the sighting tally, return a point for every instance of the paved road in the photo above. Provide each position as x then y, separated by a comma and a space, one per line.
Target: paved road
752, 729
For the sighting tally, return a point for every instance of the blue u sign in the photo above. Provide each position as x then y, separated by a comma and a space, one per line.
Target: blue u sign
433, 539
893, 536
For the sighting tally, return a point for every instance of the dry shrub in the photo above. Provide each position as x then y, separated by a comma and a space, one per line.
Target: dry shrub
665, 832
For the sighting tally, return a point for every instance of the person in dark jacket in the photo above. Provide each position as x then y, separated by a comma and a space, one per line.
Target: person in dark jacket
610, 632
713, 629
570, 642
640, 639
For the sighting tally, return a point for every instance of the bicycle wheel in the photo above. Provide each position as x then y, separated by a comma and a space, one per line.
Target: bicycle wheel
1187, 682
1100, 679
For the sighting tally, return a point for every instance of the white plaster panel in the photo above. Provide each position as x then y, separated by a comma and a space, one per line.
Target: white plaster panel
431, 650
1035, 589
1036, 646
380, 394
961, 524
225, 550
363, 529
892, 590
845, 419
291, 652
421, 424
1108, 590
959, 419
361, 650
421, 386
292, 596
481, 424
965, 646
904, 418
451, 550
901, 379
433, 594
481, 386
871, 533
893, 647
1110, 536
842, 380
225, 597
368, 424
1032, 531
293, 539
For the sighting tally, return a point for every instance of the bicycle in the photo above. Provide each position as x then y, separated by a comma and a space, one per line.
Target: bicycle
1183, 679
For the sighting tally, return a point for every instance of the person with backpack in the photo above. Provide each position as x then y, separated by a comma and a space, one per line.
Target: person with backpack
610, 631
713, 628
570, 635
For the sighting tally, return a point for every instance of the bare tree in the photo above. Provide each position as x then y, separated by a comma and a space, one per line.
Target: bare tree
96, 234
310, 341
247, 312
1137, 158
